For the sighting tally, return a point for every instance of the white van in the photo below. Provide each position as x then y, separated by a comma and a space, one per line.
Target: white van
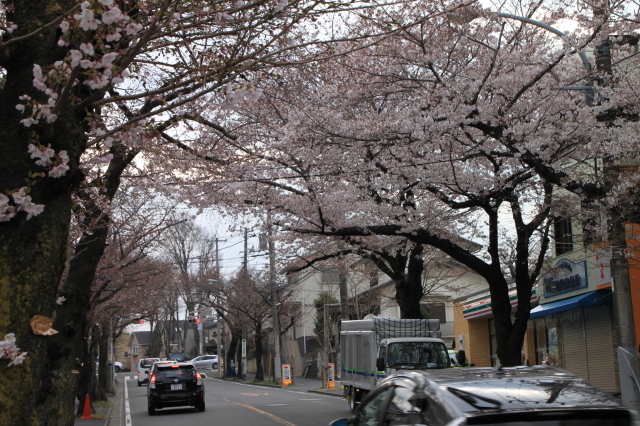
144, 365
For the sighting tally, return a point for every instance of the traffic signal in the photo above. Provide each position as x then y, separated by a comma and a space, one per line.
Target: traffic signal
141, 321
198, 320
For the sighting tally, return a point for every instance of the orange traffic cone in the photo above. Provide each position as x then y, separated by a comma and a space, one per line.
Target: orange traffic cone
86, 413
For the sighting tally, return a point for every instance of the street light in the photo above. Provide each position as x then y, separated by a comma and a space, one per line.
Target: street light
587, 90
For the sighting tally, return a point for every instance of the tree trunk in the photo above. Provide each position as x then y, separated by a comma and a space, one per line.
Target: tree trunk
409, 291
233, 345
33, 251
104, 373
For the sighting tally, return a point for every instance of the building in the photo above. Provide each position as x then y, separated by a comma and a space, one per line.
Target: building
138, 345
475, 329
370, 292
121, 350
572, 326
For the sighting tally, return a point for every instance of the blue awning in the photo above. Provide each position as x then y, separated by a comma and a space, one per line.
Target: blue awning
592, 298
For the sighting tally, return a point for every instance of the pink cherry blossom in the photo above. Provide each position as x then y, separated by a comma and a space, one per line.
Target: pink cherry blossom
113, 15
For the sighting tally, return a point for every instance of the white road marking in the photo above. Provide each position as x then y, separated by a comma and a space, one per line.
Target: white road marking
127, 410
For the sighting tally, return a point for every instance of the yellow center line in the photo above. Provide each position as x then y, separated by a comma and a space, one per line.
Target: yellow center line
276, 418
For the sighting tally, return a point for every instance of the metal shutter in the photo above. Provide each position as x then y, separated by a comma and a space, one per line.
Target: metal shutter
600, 348
587, 346
573, 346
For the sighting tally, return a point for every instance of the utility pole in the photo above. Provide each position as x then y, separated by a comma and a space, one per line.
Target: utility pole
344, 296
274, 305
245, 263
243, 343
619, 264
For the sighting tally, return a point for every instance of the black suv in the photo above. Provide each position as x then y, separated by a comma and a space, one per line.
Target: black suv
175, 385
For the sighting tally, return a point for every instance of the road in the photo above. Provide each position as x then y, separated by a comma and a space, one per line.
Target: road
237, 404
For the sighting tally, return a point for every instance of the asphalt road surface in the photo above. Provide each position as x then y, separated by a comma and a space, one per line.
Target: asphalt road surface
236, 404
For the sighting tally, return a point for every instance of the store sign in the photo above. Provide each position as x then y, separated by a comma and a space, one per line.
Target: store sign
566, 276
603, 264
483, 307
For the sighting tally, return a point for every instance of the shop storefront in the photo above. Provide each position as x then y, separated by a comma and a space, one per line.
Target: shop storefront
573, 324
475, 329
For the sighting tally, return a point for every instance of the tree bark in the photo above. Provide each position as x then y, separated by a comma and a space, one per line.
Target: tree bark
33, 251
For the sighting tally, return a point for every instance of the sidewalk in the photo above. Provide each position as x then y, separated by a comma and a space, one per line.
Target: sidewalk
102, 410
299, 384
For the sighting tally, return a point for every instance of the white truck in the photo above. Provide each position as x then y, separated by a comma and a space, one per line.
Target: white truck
371, 349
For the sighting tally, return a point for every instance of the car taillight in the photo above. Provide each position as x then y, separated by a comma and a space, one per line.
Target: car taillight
152, 382
198, 379
139, 374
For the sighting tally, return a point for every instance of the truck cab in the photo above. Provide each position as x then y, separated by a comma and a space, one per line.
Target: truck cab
412, 353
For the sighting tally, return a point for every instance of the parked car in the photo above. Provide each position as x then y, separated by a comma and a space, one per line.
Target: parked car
175, 385
537, 395
117, 367
206, 361
144, 365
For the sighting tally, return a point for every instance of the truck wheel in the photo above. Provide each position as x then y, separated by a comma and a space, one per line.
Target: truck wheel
354, 399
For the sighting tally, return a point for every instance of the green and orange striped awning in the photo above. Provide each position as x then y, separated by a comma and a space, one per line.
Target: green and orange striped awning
483, 307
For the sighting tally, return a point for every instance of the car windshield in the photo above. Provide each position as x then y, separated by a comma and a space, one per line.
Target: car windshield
182, 372
417, 355
146, 363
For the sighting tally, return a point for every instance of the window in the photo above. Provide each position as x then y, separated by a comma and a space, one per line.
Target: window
435, 310
330, 276
563, 235
371, 412
401, 409
417, 355
493, 343
182, 372
134, 350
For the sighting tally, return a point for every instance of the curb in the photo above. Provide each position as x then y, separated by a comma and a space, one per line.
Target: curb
115, 395
326, 393
268, 385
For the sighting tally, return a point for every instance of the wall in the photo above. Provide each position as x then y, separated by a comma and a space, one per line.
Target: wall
476, 337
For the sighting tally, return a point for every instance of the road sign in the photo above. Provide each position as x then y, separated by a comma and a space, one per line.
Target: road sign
286, 374
331, 368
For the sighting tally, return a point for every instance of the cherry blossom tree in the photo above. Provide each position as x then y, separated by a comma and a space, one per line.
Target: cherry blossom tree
87, 87
432, 135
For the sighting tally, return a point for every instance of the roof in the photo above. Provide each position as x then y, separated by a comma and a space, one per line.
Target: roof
143, 337
484, 390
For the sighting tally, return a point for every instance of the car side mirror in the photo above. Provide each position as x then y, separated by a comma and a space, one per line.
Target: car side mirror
340, 422
380, 364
